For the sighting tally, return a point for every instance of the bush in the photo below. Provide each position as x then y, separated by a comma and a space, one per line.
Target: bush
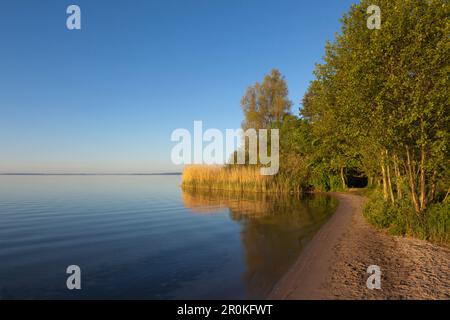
401, 219
438, 221
326, 182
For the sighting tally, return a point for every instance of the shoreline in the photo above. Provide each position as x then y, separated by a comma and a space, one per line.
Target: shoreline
333, 264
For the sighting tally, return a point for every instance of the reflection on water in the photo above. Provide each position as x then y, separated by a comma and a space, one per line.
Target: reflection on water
274, 229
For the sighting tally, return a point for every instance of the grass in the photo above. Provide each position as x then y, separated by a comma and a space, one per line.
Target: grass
401, 219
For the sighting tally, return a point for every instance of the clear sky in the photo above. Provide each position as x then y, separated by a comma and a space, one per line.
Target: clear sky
107, 97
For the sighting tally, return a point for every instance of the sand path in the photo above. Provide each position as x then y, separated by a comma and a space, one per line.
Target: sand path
334, 264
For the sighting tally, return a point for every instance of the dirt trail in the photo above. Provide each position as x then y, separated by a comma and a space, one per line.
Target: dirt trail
334, 263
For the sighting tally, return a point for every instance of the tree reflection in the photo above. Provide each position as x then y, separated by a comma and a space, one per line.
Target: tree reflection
274, 228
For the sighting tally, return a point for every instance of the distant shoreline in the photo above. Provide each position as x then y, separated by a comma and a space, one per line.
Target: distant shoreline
93, 174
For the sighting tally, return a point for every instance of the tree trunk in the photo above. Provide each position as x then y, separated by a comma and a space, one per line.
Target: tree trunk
433, 187
383, 172
423, 197
398, 179
446, 195
343, 178
389, 184
411, 181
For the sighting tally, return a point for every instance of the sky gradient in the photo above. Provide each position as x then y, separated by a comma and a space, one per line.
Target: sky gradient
106, 98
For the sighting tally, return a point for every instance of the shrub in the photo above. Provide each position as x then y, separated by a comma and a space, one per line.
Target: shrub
401, 219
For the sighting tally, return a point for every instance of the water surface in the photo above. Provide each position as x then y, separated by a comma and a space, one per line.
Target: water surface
142, 237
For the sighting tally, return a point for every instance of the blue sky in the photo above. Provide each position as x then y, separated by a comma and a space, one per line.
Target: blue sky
106, 98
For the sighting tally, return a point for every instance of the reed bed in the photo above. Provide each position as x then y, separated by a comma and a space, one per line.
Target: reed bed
233, 178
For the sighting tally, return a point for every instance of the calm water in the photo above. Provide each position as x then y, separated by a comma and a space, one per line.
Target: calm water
142, 237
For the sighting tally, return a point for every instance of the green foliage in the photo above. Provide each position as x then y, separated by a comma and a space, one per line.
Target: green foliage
380, 99
377, 212
325, 181
401, 219
295, 147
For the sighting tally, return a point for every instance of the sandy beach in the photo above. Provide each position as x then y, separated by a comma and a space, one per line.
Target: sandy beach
334, 264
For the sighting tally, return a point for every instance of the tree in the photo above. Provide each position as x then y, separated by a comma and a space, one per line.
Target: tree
267, 103
382, 96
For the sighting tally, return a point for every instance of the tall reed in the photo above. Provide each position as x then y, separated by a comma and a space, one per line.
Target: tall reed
235, 178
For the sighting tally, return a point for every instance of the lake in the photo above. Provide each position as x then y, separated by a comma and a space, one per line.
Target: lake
142, 237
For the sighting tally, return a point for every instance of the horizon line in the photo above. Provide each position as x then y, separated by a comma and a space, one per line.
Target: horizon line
87, 174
